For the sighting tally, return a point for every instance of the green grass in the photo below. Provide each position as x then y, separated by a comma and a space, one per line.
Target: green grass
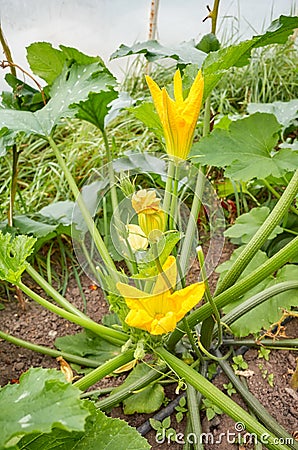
271, 76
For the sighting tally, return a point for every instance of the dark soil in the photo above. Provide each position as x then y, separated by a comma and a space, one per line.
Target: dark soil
40, 326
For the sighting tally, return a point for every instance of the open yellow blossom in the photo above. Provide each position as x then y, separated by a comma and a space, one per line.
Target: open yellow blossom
160, 311
178, 117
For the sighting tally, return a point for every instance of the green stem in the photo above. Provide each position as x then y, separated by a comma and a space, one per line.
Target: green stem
125, 391
194, 415
277, 195
84, 210
173, 208
209, 298
256, 300
284, 344
214, 15
59, 299
255, 406
168, 189
206, 123
98, 392
114, 336
217, 397
49, 351
104, 370
13, 184
191, 339
261, 235
234, 292
192, 223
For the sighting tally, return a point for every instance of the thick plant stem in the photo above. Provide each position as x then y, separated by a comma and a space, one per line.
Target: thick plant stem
104, 370
277, 195
192, 223
234, 292
284, 344
194, 415
84, 210
114, 336
125, 391
49, 351
59, 299
219, 398
255, 406
256, 300
261, 235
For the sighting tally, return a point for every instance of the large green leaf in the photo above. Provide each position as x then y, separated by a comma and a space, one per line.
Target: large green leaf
245, 149
96, 108
246, 226
285, 112
42, 400
270, 311
13, 255
217, 63
83, 344
101, 433
47, 62
71, 87
184, 53
148, 399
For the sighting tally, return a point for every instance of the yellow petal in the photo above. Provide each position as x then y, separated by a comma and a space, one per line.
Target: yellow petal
139, 319
156, 95
130, 291
181, 302
164, 325
170, 271
178, 93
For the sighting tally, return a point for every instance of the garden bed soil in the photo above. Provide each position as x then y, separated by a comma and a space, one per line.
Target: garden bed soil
40, 326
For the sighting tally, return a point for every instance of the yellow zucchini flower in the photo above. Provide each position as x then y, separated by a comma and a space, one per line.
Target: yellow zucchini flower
159, 312
179, 116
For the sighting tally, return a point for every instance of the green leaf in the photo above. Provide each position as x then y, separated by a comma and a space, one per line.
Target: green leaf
43, 399
101, 433
87, 344
139, 162
247, 225
47, 62
147, 267
61, 211
147, 114
71, 87
13, 255
184, 53
285, 112
270, 311
96, 108
208, 43
217, 63
146, 400
246, 149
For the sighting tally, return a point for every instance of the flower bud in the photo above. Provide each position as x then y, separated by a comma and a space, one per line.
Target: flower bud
154, 220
